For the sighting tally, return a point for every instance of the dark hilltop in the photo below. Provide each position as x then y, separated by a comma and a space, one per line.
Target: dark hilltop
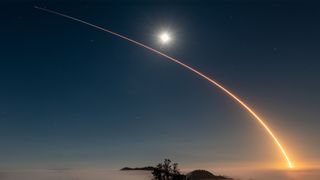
168, 171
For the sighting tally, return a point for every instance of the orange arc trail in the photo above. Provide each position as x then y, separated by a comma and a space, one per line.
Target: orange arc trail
237, 99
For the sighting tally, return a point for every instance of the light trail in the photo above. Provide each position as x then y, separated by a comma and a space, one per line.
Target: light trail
228, 92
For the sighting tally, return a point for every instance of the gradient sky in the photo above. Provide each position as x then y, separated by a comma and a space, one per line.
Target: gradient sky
73, 96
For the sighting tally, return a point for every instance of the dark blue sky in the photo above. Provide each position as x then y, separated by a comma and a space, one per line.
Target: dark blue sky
72, 96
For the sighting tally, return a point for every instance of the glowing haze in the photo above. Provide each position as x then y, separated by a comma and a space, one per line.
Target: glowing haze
166, 38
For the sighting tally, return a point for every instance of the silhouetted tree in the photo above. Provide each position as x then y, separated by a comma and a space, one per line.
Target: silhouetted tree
175, 169
157, 172
167, 168
166, 171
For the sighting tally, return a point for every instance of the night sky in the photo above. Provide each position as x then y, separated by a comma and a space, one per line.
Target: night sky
73, 96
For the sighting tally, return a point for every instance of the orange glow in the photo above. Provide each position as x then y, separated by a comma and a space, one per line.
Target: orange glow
228, 92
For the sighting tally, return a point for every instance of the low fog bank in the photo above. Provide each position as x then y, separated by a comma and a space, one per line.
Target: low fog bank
71, 174
267, 174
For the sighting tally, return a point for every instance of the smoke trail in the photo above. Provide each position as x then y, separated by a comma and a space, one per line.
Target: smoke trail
237, 99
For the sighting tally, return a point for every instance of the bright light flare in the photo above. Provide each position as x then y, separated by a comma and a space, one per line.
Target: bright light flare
165, 37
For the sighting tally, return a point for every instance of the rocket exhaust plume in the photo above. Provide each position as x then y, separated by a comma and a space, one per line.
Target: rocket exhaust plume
195, 71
